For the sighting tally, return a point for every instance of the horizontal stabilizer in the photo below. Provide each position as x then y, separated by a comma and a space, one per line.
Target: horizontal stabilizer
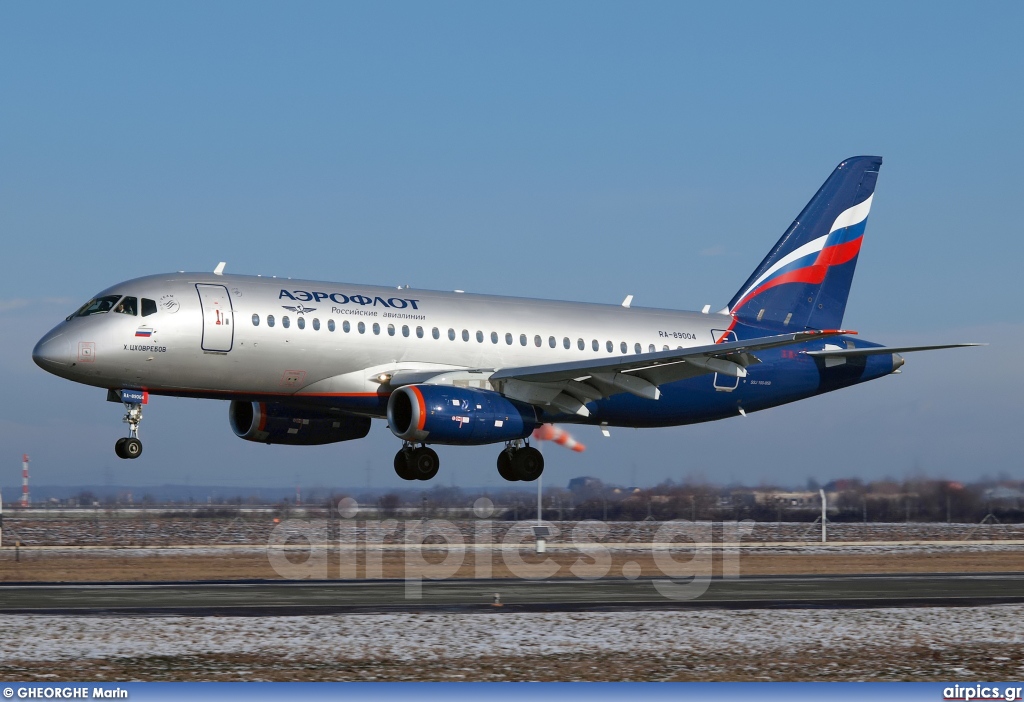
879, 350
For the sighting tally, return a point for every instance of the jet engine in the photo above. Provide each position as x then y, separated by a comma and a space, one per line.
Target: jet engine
444, 414
276, 423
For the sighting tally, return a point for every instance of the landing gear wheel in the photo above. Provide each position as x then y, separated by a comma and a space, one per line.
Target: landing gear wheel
505, 465
131, 448
402, 465
424, 463
528, 463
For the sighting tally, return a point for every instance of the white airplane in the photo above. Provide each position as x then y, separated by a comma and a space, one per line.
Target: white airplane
307, 362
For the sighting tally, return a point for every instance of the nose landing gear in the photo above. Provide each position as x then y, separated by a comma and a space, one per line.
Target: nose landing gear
130, 446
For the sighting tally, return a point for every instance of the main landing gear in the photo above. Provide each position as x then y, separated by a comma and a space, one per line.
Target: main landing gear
130, 446
413, 463
517, 461
520, 462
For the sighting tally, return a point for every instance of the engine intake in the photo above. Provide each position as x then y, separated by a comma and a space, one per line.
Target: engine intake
275, 423
443, 414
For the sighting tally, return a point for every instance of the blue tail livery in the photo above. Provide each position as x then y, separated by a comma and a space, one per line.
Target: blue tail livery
804, 281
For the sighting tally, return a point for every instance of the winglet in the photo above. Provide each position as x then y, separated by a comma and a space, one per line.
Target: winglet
219, 270
628, 301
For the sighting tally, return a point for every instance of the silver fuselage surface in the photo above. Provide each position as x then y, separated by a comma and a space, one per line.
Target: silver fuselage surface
332, 340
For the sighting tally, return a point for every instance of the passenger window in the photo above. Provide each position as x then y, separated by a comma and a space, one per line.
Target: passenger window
609, 346
465, 335
376, 328
128, 305
508, 338
255, 317
301, 322
579, 342
436, 333
316, 324
665, 347
97, 306
361, 327
270, 320
566, 343
148, 307
346, 327
637, 349
330, 325
494, 337
623, 347
651, 348
522, 339
597, 346
537, 341
405, 330
479, 337
419, 332
451, 334
391, 330
551, 342
285, 322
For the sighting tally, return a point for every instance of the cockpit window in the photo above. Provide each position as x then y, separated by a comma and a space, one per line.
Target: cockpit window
128, 305
148, 307
98, 305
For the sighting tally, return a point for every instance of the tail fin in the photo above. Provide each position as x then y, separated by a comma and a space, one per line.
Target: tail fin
805, 280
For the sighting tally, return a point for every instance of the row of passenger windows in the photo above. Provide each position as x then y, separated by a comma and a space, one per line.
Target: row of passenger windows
524, 340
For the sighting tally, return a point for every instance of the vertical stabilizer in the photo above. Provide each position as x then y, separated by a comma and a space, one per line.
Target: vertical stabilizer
804, 281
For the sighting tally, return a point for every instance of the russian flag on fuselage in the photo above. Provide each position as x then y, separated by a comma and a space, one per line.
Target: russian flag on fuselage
805, 280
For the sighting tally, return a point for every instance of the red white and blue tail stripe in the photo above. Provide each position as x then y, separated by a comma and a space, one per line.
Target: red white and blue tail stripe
805, 280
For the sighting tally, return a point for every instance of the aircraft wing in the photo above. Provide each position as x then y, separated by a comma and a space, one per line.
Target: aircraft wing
877, 350
569, 386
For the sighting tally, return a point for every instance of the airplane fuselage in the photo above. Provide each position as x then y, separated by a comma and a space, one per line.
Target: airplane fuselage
327, 344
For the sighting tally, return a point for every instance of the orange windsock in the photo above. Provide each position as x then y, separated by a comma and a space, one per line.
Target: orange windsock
549, 432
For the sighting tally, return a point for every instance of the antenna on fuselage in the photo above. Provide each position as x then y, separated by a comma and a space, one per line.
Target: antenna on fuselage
219, 270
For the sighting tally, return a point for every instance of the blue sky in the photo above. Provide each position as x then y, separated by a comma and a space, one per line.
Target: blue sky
578, 151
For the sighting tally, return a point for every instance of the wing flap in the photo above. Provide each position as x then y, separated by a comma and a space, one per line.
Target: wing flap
569, 386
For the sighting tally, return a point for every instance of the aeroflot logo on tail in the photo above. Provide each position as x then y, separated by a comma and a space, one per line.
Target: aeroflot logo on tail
342, 299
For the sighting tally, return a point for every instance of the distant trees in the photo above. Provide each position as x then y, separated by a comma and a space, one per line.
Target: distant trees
389, 505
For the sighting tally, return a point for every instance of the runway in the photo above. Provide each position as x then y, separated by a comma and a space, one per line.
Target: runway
267, 598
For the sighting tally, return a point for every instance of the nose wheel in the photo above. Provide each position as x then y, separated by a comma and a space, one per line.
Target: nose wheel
130, 446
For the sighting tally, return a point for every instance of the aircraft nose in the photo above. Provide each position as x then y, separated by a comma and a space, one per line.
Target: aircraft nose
52, 352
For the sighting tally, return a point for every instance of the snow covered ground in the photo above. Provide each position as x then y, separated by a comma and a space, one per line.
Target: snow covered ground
149, 531
916, 643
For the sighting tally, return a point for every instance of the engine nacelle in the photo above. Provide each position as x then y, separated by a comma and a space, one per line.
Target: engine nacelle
444, 414
275, 423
